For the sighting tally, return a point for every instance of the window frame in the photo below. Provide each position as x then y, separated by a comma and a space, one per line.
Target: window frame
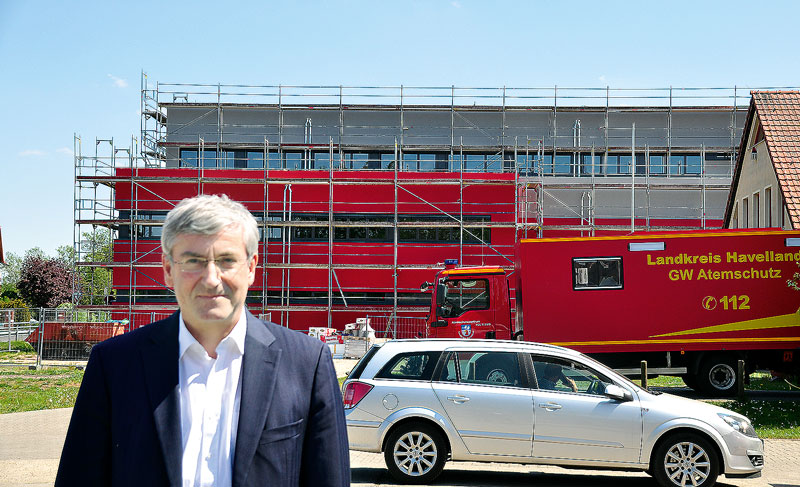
621, 280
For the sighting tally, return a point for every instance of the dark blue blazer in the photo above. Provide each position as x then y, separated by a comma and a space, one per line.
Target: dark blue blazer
126, 430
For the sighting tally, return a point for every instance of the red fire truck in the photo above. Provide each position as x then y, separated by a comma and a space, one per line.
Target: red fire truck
691, 304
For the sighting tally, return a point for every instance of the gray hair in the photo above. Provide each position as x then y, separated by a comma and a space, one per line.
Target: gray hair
209, 215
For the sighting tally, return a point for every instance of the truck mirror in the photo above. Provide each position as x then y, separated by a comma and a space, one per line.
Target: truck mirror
440, 291
439, 324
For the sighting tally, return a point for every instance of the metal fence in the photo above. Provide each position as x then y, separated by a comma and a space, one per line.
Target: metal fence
387, 326
63, 335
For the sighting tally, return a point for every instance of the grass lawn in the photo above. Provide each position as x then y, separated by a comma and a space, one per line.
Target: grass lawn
22, 389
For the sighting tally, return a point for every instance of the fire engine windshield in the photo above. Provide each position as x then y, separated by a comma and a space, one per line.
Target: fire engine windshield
461, 295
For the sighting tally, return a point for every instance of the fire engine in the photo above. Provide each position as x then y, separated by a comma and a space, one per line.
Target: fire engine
691, 304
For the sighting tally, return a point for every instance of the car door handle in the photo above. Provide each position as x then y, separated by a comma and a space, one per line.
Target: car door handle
458, 399
550, 406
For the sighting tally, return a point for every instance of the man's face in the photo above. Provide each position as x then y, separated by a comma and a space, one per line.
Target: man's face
210, 296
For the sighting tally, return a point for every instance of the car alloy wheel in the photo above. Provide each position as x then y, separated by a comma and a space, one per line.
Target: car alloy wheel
686, 460
415, 453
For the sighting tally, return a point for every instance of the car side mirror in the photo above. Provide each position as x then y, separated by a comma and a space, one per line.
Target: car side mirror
617, 393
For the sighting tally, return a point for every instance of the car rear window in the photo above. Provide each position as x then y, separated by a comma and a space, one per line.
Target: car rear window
359, 368
410, 366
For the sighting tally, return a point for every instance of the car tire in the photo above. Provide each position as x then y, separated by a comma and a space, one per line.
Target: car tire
717, 376
685, 459
415, 453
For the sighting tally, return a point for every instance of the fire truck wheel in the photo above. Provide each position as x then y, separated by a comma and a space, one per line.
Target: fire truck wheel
717, 376
415, 453
685, 459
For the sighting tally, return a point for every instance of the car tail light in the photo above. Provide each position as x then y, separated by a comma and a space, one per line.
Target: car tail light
354, 392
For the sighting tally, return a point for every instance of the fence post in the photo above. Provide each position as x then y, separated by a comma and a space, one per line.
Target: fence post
740, 380
40, 341
644, 374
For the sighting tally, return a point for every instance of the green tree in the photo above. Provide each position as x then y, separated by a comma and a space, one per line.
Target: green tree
94, 283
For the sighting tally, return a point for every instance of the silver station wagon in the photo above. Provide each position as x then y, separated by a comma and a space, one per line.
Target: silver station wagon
423, 402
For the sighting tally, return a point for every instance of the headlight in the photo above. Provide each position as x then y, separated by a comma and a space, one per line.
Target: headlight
739, 423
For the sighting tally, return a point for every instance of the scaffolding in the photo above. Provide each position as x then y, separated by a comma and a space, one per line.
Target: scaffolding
223, 119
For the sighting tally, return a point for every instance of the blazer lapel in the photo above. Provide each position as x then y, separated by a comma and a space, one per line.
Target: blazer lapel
258, 381
160, 358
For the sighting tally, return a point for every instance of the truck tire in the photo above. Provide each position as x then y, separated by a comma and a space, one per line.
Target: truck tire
717, 376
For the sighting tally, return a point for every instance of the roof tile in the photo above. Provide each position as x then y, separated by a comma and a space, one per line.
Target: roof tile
779, 113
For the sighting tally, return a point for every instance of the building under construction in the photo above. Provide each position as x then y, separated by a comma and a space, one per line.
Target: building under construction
362, 192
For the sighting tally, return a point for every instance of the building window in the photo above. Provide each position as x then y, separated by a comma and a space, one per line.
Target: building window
562, 164
591, 164
494, 163
387, 161
597, 273
691, 164
618, 164
474, 163
768, 207
294, 160
745, 213
756, 211
657, 165
188, 158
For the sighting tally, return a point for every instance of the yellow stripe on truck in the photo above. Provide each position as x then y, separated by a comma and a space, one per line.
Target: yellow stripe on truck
677, 340
779, 321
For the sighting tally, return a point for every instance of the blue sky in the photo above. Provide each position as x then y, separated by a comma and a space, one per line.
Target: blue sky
74, 67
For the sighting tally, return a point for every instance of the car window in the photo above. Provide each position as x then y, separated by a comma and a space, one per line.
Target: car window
449, 370
555, 374
485, 368
413, 365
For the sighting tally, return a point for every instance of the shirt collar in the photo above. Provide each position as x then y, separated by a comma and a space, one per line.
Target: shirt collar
236, 336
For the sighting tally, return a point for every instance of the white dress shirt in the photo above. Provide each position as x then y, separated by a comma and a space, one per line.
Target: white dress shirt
210, 391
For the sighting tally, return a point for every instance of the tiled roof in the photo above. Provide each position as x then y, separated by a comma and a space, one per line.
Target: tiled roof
779, 114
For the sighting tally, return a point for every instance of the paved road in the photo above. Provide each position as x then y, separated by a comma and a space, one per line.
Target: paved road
30, 444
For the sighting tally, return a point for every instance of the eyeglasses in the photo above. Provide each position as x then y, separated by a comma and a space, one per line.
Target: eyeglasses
194, 265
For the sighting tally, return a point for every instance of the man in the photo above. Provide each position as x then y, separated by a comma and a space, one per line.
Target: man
553, 373
210, 396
